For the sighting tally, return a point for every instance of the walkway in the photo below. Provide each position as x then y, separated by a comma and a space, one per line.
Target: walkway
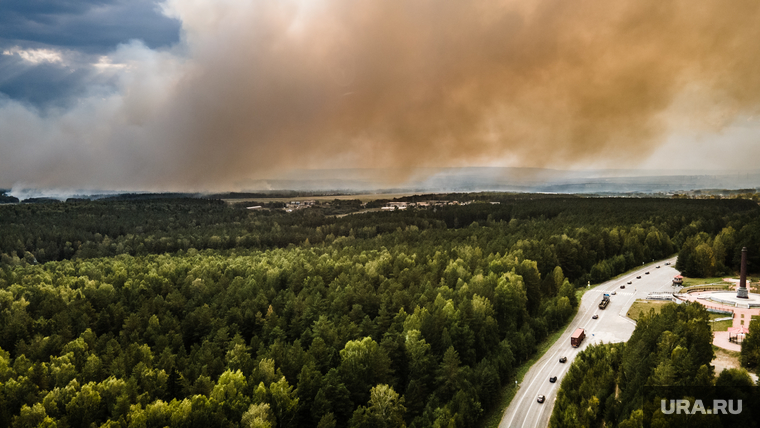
742, 317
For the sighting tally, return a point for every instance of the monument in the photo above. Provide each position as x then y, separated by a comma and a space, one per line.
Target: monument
741, 298
741, 292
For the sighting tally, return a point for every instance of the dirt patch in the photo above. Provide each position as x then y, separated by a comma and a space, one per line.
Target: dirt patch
725, 360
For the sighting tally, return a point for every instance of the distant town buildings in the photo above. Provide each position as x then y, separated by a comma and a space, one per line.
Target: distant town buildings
297, 205
397, 205
425, 204
389, 206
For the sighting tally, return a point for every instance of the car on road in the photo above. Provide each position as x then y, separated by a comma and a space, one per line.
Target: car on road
667, 263
658, 266
622, 286
595, 317
638, 277
613, 292
646, 273
553, 379
631, 282
541, 399
563, 359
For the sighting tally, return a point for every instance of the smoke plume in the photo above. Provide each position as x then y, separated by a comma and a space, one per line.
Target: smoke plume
261, 86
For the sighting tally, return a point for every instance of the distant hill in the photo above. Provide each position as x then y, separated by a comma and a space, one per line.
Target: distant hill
323, 182
505, 180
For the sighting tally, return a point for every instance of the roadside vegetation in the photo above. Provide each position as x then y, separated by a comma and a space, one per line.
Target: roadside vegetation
492, 418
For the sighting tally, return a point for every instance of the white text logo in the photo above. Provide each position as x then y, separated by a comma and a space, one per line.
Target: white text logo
678, 407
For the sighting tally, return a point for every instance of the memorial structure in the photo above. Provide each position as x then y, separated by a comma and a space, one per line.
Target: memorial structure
741, 292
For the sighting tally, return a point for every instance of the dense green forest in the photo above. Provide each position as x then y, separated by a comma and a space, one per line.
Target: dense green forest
179, 312
668, 355
582, 231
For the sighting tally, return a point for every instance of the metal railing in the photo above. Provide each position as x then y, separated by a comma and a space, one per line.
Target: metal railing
698, 288
709, 306
660, 296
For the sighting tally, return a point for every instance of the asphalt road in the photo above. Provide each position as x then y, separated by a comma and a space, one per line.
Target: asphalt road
612, 326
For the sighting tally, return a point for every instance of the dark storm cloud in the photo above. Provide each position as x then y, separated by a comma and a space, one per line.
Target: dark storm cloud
81, 31
89, 26
44, 85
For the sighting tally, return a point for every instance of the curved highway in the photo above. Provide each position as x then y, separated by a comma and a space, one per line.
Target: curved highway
612, 326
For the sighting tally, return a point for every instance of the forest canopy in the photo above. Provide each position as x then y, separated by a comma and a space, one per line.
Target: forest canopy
184, 312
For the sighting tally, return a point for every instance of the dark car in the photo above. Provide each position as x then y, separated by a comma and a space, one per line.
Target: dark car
595, 317
553, 379
622, 286
541, 398
631, 282
646, 273
667, 263
638, 277
563, 360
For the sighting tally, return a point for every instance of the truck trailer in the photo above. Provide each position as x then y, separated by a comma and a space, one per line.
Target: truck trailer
605, 301
577, 337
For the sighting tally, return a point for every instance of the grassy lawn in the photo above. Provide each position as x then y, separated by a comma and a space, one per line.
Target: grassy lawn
722, 325
641, 307
492, 418
754, 285
701, 281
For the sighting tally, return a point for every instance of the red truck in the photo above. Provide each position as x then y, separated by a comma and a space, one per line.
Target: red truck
577, 337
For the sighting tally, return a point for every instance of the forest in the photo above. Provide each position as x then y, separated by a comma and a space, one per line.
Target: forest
186, 311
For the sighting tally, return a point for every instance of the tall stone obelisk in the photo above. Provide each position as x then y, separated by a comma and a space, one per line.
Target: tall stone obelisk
741, 292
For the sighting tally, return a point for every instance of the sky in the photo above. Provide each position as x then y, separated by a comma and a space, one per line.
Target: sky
208, 94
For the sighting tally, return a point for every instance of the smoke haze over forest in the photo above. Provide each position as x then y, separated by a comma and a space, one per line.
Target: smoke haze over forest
207, 95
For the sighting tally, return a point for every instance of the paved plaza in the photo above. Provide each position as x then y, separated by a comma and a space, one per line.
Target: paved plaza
742, 310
